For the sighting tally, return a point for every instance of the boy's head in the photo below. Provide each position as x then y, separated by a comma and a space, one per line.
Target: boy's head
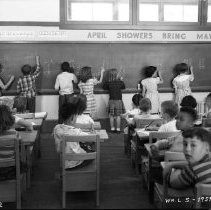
189, 101
169, 110
145, 105
186, 118
136, 100
81, 103
181, 68
6, 118
69, 111
26, 69
150, 71
208, 101
65, 67
196, 144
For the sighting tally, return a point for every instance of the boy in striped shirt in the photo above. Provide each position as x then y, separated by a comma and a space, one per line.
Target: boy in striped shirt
197, 147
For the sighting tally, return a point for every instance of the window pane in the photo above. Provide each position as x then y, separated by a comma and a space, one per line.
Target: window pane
181, 13
148, 12
29, 10
107, 10
209, 14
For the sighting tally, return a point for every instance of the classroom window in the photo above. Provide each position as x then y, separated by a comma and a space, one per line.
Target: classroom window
182, 12
148, 12
93, 10
209, 11
29, 10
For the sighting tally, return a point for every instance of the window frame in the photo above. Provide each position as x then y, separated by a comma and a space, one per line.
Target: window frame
161, 23
65, 24
31, 23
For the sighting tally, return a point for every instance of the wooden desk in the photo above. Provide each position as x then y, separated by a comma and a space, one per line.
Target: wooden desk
97, 125
29, 138
103, 134
36, 115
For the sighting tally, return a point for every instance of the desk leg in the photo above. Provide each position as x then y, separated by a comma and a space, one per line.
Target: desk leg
28, 161
150, 181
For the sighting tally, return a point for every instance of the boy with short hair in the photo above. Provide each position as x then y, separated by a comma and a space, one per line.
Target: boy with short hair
197, 147
26, 84
186, 119
169, 111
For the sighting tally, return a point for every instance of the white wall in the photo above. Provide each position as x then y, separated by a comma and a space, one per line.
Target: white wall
49, 103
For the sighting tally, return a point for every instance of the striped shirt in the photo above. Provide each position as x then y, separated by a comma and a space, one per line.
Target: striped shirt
199, 172
26, 84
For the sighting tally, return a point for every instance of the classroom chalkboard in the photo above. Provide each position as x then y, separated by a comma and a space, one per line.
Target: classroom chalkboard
129, 58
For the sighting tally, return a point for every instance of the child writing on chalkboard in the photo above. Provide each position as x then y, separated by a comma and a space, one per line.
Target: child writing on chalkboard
26, 84
150, 87
182, 81
64, 83
5, 80
115, 105
86, 85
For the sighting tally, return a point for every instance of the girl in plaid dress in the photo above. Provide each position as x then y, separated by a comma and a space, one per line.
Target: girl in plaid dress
86, 85
115, 104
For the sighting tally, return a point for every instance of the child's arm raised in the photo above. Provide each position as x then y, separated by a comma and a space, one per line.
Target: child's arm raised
4, 87
191, 73
160, 76
101, 75
37, 71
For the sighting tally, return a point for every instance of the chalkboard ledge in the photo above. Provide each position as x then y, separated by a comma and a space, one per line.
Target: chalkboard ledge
101, 91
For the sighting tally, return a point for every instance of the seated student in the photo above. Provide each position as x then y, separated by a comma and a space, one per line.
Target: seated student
186, 119
81, 104
189, 101
68, 112
197, 147
208, 104
169, 111
135, 106
8, 120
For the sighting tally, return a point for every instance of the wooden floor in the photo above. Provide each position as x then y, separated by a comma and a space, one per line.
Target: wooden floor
120, 187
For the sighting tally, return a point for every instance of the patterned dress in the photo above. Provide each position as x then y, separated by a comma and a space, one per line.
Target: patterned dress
151, 85
181, 84
88, 90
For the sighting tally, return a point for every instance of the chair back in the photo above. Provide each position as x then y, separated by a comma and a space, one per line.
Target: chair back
10, 156
85, 178
174, 156
202, 195
161, 135
142, 123
85, 127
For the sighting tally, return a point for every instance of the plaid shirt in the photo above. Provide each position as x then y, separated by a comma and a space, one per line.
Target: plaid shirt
26, 84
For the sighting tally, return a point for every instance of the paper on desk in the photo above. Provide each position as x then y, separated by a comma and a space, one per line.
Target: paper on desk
39, 114
34, 123
142, 132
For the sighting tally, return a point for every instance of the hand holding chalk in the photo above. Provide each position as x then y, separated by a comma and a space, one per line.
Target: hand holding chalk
37, 57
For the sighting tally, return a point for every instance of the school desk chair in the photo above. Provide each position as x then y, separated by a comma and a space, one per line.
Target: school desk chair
10, 152
148, 164
167, 197
137, 143
84, 178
